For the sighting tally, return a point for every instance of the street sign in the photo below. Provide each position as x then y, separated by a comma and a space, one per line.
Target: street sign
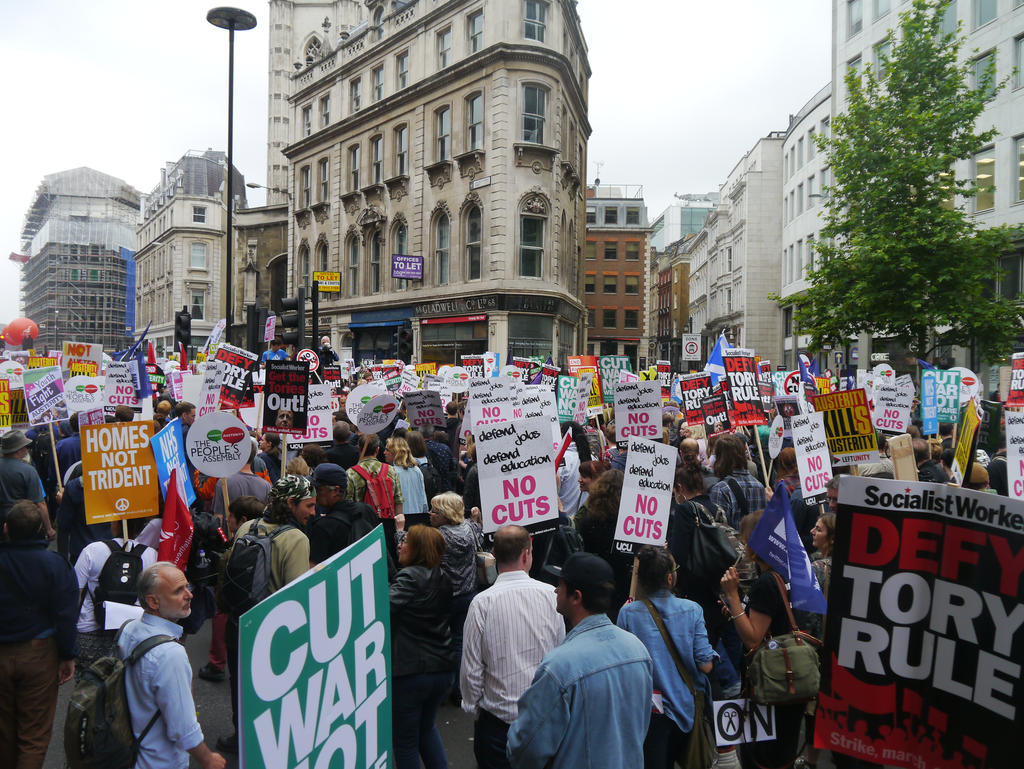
312, 357
691, 347
329, 281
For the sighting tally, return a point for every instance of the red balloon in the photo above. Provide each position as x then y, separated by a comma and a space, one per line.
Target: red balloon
19, 330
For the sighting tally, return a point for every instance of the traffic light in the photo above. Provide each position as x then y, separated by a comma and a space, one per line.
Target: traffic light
405, 343
293, 319
183, 328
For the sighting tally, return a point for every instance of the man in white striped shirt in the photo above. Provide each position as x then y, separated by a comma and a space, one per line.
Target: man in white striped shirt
509, 629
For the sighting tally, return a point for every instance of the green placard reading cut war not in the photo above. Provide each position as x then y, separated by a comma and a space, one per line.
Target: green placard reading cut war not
315, 667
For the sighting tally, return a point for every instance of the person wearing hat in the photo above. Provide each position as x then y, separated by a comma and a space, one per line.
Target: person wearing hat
340, 522
19, 479
292, 502
590, 700
328, 357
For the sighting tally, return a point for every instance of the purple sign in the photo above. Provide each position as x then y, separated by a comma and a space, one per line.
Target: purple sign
409, 267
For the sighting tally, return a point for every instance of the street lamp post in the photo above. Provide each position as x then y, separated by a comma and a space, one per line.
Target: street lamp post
230, 19
255, 186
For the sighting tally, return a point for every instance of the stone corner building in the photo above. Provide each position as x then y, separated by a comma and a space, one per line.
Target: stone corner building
452, 131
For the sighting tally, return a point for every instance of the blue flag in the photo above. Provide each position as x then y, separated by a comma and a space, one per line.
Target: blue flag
806, 372
924, 364
169, 452
776, 541
715, 365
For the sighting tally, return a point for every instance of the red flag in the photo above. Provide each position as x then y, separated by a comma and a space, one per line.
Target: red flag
150, 354
182, 357
176, 531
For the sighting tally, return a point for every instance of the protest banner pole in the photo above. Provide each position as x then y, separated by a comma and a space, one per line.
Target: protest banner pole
284, 453
632, 581
760, 453
224, 489
56, 465
124, 529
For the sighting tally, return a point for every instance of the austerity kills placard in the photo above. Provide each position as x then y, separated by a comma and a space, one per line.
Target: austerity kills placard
119, 474
694, 388
317, 668
744, 395
812, 456
423, 407
646, 493
5, 406
1015, 398
238, 367
851, 438
517, 475
638, 411
923, 640
286, 397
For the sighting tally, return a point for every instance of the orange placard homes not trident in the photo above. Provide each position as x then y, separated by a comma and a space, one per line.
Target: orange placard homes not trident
119, 472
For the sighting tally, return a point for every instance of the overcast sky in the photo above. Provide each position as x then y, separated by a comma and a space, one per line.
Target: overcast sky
680, 90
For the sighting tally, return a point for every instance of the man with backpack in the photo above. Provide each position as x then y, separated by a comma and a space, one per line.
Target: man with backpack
342, 521
38, 601
375, 483
266, 554
158, 684
107, 570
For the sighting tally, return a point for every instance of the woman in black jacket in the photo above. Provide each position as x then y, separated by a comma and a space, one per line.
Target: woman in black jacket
422, 658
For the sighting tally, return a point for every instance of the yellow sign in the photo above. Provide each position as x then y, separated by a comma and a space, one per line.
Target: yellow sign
19, 411
968, 426
5, 405
595, 402
328, 281
84, 368
42, 362
426, 368
119, 472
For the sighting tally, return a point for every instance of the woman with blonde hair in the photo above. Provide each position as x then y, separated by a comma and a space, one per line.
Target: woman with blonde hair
398, 454
297, 466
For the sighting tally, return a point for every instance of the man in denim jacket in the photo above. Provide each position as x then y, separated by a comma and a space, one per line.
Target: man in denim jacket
590, 701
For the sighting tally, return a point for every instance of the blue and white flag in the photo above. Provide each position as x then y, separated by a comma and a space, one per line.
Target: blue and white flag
808, 369
169, 452
925, 365
715, 365
776, 541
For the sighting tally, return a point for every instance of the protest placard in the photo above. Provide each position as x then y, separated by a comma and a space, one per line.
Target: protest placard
318, 418
549, 374
638, 411
169, 453
43, 361
851, 438
338, 683
742, 721
585, 386
517, 475
892, 407
44, 396
929, 406
19, 411
83, 393
236, 386
491, 401
539, 401
788, 406
776, 434
378, 413
119, 473
812, 460
1015, 453
693, 389
1015, 397
646, 493
990, 430
12, 371
970, 384
93, 417
610, 366
81, 358
209, 391
578, 362
218, 444
922, 641
716, 416
963, 452
744, 396
423, 407
947, 392
5, 406
359, 397
492, 363
568, 392
286, 397
474, 366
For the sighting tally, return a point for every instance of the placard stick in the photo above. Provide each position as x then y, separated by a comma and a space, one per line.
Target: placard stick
124, 529
224, 489
760, 453
632, 581
56, 465
284, 453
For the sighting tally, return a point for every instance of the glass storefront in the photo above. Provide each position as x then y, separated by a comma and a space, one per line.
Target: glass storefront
445, 340
529, 335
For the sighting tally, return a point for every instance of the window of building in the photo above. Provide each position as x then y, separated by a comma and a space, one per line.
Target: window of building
632, 215
307, 120
304, 185
610, 284
304, 265
355, 94
591, 216
534, 109
1018, 61
401, 70
800, 151
591, 318
198, 305
1019, 155
442, 263
632, 252
401, 150
444, 48
826, 126
882, 7
531, 247
475, 122
473, 235
787, 322
985, 178
443, 132
399, 243
810, 192
353, 265
611, 251
589, 281
611, 215
325, 180
949, 18
882, 51
475, 31
353, 167
728, 259
980, 77
854, 17
631, 319
378, 23
608, 318
325, 110
632, 284
322, 257
197, 256
376, 249
377, 77
811, 148
984, 11
377, 158
799, 198
853, 67
199, 214
590, 250
534, 20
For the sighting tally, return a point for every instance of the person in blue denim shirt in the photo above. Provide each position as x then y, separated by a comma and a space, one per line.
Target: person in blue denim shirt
670, 729
590, 701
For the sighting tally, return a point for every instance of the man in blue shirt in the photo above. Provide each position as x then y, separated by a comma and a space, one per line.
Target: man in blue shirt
162, 678
590, 700
276, 351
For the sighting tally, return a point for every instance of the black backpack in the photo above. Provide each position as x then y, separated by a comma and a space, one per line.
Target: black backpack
246, 578
118, 578
432, 480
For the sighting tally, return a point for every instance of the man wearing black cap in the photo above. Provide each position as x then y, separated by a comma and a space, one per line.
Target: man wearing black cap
590, 700
339, 521
19, 479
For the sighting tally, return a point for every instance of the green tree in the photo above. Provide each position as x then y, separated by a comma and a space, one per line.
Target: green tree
896, 258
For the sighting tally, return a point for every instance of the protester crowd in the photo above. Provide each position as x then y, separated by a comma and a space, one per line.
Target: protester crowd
567, 651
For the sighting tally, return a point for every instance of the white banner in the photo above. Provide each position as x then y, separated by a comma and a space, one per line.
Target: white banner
646, 493
812, 458
638, 411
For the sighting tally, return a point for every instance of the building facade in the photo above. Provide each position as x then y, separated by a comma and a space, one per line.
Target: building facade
451, 135
683, 216
79, 237
616, 267
180, 261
